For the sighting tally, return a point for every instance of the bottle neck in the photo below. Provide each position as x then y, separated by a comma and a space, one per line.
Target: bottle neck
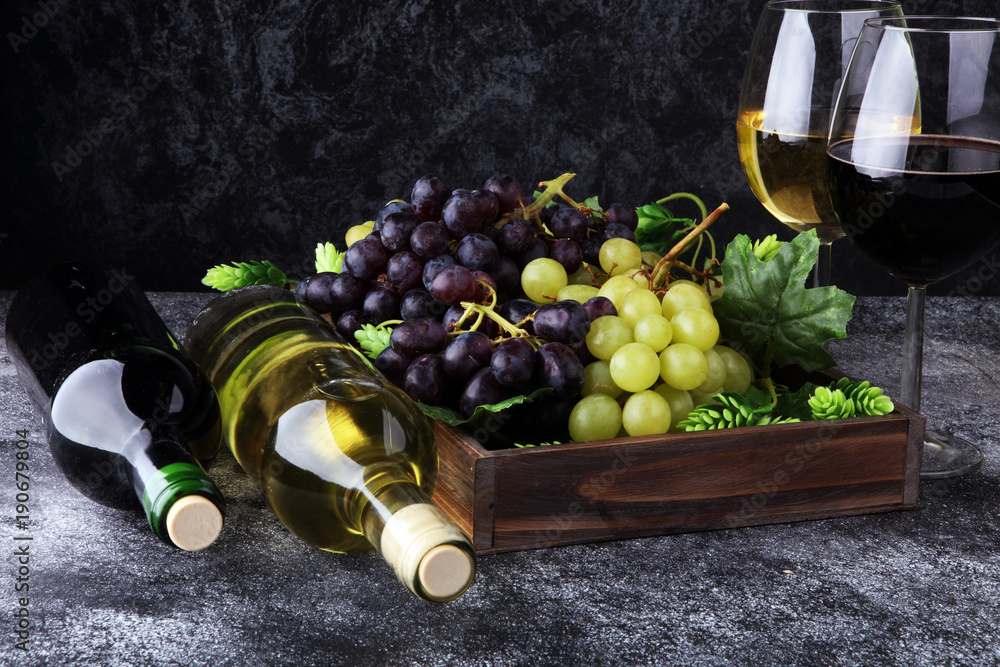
431, 556
182, 504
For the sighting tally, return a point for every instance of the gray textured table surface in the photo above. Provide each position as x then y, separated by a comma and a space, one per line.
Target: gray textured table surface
916, 587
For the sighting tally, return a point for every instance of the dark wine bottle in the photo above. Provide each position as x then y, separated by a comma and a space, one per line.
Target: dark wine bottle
127, 415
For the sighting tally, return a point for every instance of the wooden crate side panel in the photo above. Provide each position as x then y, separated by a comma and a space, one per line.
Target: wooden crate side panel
455, 491
699, 481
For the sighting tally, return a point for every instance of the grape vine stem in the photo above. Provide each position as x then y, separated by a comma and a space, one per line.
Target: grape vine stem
670, 257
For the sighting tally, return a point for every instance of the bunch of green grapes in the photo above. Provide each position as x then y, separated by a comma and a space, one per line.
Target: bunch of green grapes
656, 352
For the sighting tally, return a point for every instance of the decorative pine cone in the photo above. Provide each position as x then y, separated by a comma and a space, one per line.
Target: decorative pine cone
731, 412
868, 401
827, 403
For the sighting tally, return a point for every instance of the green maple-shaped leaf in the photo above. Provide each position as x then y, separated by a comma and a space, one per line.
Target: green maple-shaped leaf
766, 301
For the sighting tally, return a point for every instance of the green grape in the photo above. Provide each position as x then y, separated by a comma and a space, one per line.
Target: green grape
619, 256
653, 330
680, 402
542, 279
646, 413
683, 366
716, 373
597, 380
738, 373
358, 232
617, 287
697, 327
595, 417
684, 294
607, 334
579, 293
581, 277
637, 304
634, 367
702, 398
639, 279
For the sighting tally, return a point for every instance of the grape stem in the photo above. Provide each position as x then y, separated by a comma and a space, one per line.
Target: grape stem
531, 211
670, 259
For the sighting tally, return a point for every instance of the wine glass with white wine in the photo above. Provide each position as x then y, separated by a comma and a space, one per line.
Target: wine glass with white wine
798, 59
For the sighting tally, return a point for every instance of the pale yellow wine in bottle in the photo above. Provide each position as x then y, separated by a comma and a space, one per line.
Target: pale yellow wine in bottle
346, 460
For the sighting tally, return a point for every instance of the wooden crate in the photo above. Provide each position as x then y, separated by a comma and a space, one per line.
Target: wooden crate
536, 497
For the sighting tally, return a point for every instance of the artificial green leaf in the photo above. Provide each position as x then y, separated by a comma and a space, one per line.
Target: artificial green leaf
225, 277
592, 204
328, 258
482, 412
796, 403
767, 247
768, 301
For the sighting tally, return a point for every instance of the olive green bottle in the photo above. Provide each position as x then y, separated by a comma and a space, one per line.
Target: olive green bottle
346, 460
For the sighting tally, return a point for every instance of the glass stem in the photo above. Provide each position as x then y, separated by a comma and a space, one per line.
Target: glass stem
822, 273
913, 348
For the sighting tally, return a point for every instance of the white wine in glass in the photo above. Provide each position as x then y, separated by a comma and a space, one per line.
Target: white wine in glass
797, 62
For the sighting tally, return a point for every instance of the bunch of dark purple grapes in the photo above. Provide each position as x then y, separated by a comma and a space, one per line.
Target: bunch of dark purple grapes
424, 259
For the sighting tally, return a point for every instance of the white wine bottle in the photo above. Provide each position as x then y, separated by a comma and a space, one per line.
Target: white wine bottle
346, 460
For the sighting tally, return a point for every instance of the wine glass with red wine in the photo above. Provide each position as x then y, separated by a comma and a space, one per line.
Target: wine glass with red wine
914, 170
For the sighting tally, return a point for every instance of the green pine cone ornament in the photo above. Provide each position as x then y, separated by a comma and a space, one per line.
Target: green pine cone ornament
240, 274
733, 410
827, 403
868, 401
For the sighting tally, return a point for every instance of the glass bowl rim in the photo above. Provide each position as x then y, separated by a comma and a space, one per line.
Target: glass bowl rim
830, 6
882, 23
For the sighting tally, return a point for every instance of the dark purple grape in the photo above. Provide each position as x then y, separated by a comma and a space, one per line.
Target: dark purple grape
417, 303
490, 232
451, 316
562, 322
506, 275
477, 253
366, 259
545, 215
393, 365
623, 215
513, 362
567, 252
461, 214
453, 285
429, 239
482, 389
488, 206
557, 366
428, 197
516, 310
314, 291
482, 294
348, 292
514, 236
536, 248
591, 249
466, 354
381, 304
391, 207
423, 336
569, 223
599, 306
434, 265
425, 380
349, 322
396, 230
615, 230
585, 356
405, 270
507, 190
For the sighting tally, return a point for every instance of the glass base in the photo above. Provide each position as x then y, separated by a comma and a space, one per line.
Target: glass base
948, 456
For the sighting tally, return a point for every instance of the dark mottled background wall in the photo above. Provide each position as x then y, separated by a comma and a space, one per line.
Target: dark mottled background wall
168, 137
